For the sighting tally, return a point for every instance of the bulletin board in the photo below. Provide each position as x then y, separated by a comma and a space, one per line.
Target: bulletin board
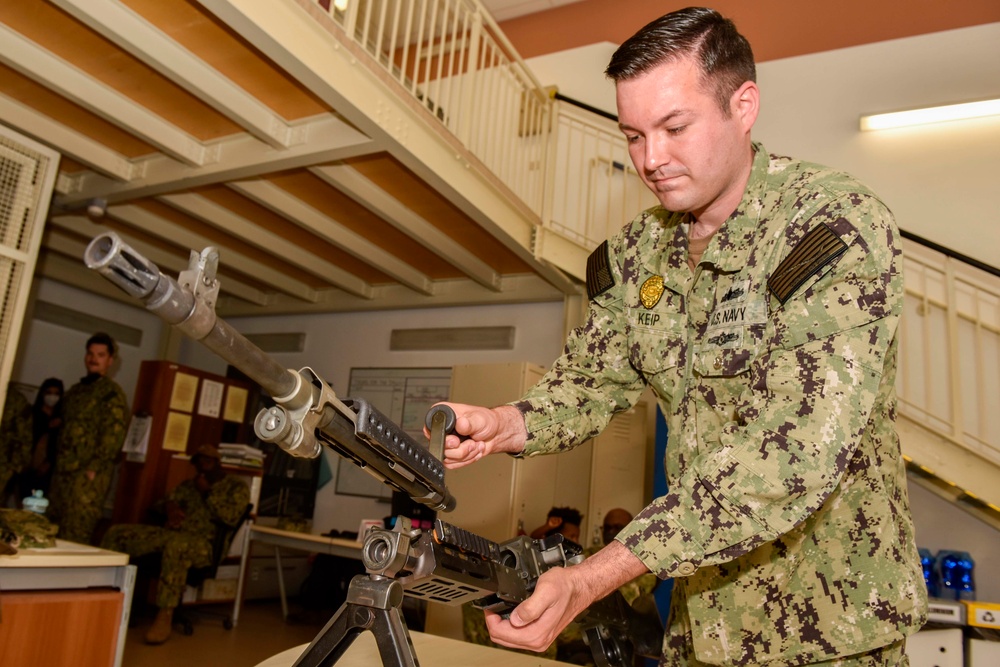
404, 395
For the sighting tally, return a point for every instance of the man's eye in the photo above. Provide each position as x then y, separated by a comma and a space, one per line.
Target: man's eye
676, 130
632, 138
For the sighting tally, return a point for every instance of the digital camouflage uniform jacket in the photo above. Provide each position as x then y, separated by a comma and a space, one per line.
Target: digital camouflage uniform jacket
94, 419
787, 523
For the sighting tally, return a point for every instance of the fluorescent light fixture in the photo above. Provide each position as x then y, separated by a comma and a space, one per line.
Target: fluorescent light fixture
340, 5
887, 121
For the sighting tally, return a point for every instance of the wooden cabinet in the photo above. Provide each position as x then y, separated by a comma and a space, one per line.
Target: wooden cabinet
60, 627
185, 408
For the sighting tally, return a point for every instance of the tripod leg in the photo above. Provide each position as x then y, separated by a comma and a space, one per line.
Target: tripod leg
372, 604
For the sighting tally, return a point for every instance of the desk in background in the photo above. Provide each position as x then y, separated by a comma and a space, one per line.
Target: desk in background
39, 588
290, 540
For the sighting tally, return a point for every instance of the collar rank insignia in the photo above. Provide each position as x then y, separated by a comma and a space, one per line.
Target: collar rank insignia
651, 291
599, 276
818, 247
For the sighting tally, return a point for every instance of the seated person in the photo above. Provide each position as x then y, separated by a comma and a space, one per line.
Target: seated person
185, 540
563, 520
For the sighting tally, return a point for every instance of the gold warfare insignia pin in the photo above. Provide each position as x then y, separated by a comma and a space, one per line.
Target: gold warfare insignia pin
651, 291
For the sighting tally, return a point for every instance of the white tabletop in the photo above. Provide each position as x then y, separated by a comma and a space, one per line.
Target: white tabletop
430, 650
65, 554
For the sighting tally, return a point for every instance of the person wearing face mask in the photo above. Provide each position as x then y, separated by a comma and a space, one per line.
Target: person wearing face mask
93, 429
46, 420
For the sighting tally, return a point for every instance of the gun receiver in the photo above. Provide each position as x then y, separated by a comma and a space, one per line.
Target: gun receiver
307, 413
452, 566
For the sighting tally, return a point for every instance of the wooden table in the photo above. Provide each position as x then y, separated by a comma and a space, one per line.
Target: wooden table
75, 578
288, 539
430, 650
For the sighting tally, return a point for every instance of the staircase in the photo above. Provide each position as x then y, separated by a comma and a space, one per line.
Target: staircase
949, 378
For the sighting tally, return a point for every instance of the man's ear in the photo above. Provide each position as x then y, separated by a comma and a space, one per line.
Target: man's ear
745, 104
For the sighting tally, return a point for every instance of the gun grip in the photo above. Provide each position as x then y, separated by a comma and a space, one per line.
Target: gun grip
440, 421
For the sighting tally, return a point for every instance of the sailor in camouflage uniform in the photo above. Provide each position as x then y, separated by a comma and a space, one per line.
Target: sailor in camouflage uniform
193, 511
94, 416
760, 302
15, 437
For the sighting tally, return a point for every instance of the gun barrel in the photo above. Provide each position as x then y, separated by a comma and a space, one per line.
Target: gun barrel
308, 412
118, 262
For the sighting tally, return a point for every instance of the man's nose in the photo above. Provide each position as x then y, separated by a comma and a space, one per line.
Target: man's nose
657, 153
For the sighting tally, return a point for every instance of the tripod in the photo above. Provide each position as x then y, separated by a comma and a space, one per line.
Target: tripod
373, 604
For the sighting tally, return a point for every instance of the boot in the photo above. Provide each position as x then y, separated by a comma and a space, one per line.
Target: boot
160, 631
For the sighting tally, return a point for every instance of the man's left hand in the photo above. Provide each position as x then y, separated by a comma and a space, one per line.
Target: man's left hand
561, 594
537, 621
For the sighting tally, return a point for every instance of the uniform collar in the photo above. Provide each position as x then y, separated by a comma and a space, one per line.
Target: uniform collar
729, 248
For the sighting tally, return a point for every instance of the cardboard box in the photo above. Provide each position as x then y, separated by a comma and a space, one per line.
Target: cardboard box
982, 614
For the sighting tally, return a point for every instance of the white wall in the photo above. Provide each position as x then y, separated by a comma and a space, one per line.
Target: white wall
49, 350
939, 180
335, 343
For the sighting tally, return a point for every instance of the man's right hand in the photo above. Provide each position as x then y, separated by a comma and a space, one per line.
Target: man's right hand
482, 431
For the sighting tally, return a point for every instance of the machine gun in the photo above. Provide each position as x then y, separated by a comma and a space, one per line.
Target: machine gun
446, 564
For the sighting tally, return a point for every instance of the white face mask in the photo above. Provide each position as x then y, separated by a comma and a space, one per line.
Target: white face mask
51, 399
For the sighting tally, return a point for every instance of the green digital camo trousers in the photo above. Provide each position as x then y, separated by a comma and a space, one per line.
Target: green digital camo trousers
181, 551
77, 502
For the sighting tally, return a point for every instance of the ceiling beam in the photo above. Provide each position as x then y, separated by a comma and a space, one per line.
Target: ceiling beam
65, 140
222, 218
164, 260
79, 87
141, 39
284, 204
514, 289
363, 191
323, 138
173, 233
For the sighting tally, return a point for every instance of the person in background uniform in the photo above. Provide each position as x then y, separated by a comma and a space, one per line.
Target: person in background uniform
760, 302
193, 511
15, 441
46, 420
565, 521
94, 417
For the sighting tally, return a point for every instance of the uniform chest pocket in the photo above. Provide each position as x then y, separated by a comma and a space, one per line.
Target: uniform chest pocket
722, 362
655, 340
